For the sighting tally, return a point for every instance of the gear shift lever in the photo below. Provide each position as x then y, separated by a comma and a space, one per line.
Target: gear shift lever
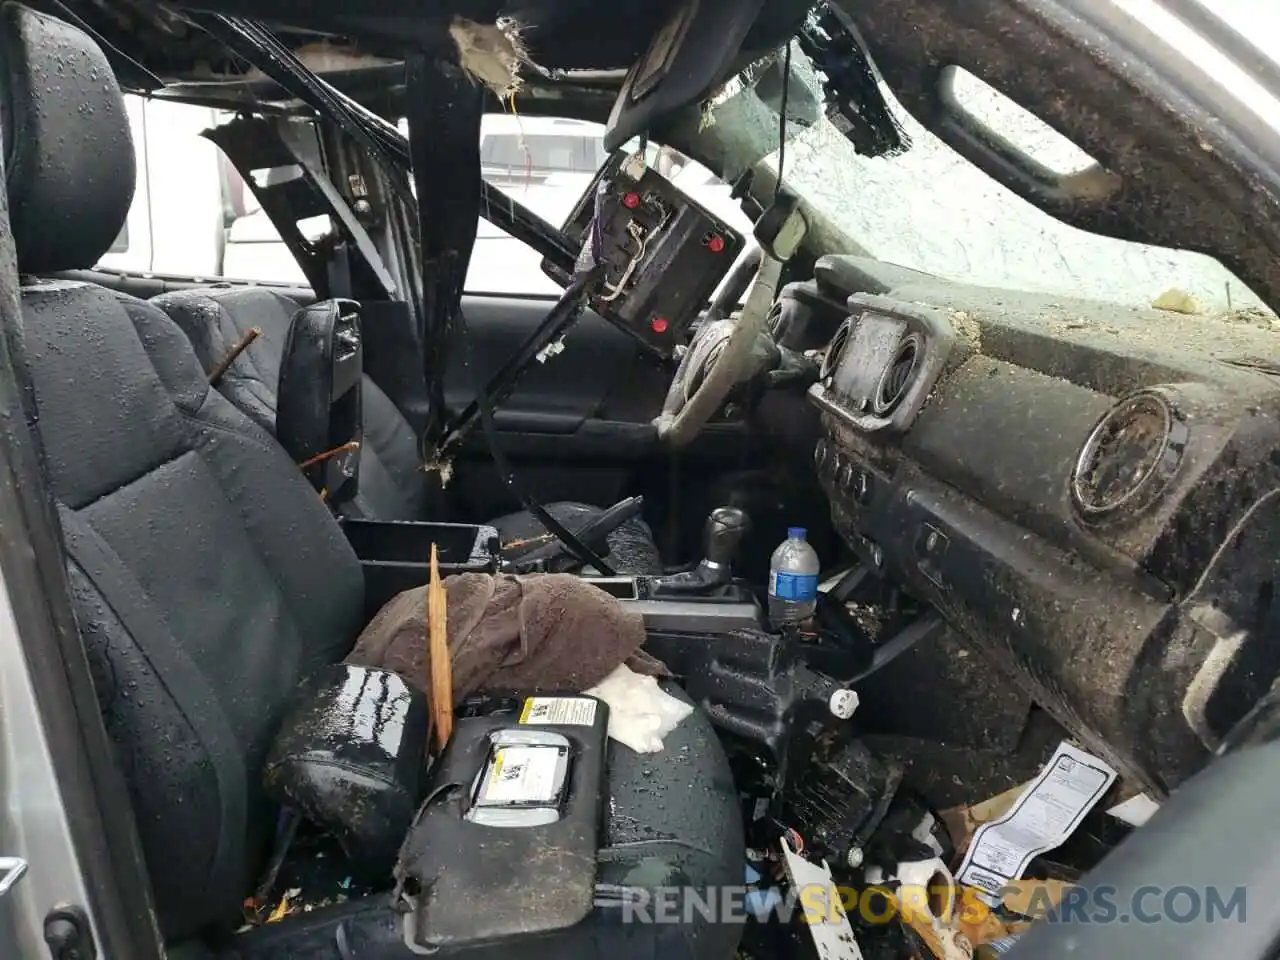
721, 538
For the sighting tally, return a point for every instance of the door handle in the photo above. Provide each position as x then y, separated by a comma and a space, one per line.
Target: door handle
12, 869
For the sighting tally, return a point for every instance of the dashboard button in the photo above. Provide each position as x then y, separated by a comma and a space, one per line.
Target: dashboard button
821, 451
862, 486
931, 549
931, 541
845, 477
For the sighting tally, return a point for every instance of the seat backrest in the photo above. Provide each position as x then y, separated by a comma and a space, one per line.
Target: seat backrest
206, 576
318, 419
215, 319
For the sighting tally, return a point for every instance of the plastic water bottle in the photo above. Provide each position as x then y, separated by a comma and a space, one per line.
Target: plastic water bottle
793, 580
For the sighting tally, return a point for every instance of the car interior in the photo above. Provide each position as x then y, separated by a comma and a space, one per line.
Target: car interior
1040, 520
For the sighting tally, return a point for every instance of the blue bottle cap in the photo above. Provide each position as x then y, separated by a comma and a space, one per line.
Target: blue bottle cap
796, 533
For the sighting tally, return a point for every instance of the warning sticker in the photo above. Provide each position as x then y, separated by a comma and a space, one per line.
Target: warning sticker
1041, 819
520, 775
829, 924
568, 711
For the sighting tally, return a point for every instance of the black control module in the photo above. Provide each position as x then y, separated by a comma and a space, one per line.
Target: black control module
664, 254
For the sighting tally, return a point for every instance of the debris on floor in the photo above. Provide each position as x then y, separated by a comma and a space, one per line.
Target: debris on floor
963, 822
1042, 818
285, 906
316, 874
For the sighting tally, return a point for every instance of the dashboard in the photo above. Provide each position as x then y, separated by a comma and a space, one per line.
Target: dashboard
1087, 492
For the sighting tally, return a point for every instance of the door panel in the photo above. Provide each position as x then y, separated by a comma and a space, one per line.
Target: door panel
577, 427
594, 400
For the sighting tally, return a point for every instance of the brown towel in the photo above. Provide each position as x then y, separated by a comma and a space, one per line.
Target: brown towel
546, 632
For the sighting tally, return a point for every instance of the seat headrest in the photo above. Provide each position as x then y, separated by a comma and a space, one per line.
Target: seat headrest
69, 165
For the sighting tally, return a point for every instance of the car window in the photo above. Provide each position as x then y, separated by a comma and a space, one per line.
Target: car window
541, 153
931, 210
193, 215
190, 209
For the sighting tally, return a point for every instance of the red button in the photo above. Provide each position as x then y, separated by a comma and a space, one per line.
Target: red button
716, 243
659, 325
631, 201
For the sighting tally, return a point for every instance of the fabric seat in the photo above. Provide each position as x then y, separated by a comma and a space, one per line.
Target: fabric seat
205, 575
392, 483
392, 487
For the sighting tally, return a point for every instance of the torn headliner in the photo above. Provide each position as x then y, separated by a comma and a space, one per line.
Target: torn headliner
560, 34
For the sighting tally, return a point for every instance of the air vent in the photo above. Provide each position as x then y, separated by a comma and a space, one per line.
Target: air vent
1129, 458
835, 351
897, 377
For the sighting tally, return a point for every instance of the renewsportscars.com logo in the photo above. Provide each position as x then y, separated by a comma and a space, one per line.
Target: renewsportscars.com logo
819, 904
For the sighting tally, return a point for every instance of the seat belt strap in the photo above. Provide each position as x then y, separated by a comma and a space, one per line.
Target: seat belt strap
443, 108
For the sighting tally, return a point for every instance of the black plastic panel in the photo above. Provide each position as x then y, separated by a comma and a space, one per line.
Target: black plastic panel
1125, 627
890, 357
395, 554
450, 865
663, 253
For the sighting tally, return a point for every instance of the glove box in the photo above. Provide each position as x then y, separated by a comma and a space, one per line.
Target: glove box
396, 555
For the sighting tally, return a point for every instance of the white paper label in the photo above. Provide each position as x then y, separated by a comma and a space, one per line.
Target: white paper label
567, 711
1042, 818
833, 939
521, 775
1135, 811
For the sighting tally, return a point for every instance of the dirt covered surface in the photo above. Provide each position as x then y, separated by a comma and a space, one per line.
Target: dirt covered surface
1107, 347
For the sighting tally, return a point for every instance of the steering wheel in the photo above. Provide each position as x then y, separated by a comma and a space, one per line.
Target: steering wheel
720, 356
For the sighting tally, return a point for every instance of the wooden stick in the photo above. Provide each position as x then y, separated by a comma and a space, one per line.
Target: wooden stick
320, 457
237, 348
438, 650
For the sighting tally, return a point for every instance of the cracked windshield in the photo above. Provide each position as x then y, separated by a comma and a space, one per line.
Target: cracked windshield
929, 209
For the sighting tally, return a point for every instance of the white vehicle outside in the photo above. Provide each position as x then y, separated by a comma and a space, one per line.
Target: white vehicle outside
559, 159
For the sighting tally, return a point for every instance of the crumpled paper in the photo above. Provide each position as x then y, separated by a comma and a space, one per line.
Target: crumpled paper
641, 713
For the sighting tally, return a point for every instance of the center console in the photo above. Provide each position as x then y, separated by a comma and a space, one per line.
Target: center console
395, 555
704, 600
719, 610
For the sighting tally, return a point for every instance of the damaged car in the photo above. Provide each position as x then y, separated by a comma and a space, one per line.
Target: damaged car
868, 550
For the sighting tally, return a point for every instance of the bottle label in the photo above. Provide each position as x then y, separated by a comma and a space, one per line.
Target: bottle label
793, 587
